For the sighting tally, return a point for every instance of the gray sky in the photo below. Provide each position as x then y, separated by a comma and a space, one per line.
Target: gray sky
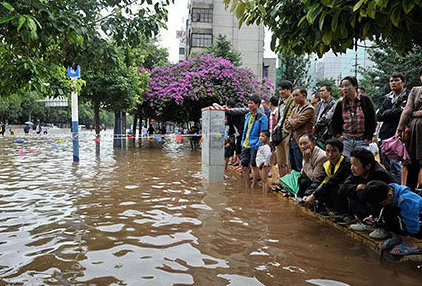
178, 13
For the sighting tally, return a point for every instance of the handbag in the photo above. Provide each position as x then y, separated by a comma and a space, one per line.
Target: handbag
394, 149
277, 135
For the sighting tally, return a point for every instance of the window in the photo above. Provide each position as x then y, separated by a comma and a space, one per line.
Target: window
181, 51
201, 40
202, 15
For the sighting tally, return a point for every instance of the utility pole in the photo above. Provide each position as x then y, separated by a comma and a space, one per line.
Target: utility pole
356, 58
74, 74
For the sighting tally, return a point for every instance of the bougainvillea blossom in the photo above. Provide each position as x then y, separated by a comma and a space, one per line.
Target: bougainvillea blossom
202, 78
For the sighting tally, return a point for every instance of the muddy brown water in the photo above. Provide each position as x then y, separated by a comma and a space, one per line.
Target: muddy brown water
142, 215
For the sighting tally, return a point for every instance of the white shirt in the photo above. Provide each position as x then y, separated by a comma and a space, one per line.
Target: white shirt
263, 155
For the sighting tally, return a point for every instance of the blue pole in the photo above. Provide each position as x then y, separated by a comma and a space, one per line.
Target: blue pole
75, 128
74, 74
75, 137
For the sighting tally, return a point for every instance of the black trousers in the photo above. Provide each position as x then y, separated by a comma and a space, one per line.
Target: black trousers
304, 184
361, 209
412, 174
333, 200
391, 220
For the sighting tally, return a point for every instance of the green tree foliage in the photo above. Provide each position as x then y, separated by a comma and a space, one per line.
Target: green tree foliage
293, 68
388, 61
10, 108
114, 90
223, 49
308, 26
146, 55
37, 35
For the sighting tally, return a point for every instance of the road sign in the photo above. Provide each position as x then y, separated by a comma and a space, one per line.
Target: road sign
59, 101
73, 73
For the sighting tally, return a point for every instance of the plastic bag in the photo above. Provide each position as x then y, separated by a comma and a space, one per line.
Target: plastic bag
395, 149
291, 182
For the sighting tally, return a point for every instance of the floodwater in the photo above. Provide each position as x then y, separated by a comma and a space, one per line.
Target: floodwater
142, 215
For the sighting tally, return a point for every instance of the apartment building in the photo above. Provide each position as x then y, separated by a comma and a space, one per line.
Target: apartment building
209, 18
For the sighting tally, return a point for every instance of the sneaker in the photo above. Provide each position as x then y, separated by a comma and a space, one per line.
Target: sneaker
361, 227
379, 233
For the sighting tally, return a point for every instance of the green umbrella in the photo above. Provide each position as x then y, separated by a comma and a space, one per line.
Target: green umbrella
291, 182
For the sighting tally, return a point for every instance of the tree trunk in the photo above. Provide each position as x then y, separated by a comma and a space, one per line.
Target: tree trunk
97, 119
135, 123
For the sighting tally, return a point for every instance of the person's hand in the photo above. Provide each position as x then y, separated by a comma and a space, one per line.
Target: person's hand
398, 134
313, 130
369, 220
361, 187
341, 138
367, 141
309, 200
228, 145
307, 153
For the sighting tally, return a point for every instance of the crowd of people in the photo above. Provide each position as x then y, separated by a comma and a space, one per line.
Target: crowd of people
332, 143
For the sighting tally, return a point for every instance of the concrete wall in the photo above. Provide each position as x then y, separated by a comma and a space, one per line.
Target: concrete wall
213, 145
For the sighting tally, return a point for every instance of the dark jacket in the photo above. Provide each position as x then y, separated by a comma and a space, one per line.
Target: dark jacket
237, 120
321, 126
390, 113
338, 178
376, 173
368, 111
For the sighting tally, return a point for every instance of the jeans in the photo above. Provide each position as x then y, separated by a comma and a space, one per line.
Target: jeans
295, 155
351, 143
248, 156
392, 166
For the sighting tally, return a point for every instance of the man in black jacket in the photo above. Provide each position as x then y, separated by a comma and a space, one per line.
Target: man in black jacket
321, 111
236, 122
389, 115
326, 186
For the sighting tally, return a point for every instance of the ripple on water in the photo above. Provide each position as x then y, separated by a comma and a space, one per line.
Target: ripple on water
158, 218
111, 228
168, 240
235, 280
201, 206
131, 187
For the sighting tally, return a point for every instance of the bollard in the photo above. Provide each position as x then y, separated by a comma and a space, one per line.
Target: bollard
213, 145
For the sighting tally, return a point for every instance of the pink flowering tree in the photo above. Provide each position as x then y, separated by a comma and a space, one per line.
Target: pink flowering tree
178, 92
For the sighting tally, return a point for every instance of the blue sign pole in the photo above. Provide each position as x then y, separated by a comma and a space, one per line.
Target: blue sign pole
74, 75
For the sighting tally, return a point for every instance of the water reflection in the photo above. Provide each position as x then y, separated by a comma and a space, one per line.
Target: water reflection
143, 216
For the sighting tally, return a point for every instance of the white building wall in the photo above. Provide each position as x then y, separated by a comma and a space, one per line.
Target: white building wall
248, 40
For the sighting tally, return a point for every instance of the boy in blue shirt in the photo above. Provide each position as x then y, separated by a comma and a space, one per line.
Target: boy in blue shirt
401, 215
255, 123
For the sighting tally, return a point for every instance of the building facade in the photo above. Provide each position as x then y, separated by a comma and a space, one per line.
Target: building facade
332, 66
209, 18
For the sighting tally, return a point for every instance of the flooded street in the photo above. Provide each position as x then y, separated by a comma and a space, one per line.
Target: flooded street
142, 215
